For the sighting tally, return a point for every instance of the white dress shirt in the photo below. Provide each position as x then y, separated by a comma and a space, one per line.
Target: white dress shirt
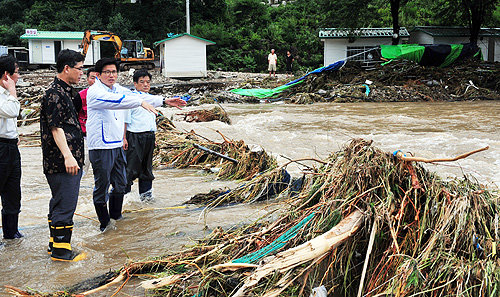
9, 110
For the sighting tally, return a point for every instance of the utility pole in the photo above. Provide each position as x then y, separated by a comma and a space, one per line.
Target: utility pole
188, 25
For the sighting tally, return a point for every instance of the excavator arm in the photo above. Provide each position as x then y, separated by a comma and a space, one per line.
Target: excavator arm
89, 35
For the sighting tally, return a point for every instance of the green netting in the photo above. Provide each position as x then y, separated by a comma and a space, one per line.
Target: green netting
275, 245
456, 49
412, 52
262, 93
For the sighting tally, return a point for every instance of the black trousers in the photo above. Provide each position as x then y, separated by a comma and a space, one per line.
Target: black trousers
10, 176
140, 159
64, 188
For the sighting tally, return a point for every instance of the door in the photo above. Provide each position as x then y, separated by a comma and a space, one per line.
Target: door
36, 52
48, 52
57, 48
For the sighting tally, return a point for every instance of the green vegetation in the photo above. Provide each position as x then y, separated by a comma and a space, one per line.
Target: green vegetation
244, 30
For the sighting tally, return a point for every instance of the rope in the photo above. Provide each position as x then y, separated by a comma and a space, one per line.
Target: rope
275, 245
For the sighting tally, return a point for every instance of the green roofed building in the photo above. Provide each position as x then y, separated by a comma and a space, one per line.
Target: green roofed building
488, 41
183, 56
43, 46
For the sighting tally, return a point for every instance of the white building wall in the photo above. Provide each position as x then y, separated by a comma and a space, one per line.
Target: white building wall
419, 37
185, 57
93, 53
497, 49
336, 49
42, 51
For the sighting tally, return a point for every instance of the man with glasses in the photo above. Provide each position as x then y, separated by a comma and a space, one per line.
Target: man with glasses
106, 105
10, 158
63, 153
139, 141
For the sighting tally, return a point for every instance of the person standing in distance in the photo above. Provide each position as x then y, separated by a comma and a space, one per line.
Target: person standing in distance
63, 153
106, 105
288, 62
10, 158
272, 59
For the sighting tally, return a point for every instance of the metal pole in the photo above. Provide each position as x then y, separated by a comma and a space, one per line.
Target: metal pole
188, 25
215, 153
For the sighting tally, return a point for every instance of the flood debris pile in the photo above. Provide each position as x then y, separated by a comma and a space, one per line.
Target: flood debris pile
363, 223
401, 81
228, 159
207, 115
262, 186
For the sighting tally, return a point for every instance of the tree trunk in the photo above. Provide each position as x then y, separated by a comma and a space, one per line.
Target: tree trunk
395, 21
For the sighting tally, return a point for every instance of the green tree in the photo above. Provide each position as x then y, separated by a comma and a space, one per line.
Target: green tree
476, 11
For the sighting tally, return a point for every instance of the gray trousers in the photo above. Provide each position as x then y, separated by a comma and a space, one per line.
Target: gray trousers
109, 167
64, 188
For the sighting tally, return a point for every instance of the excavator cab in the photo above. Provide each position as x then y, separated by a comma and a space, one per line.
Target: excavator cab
129, 53
133, 49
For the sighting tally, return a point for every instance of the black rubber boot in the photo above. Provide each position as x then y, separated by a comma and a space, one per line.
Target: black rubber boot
9, 226
102, 214
51, 239
61, 248
115, 205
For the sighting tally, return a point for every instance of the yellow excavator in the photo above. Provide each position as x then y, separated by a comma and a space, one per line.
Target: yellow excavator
128, 53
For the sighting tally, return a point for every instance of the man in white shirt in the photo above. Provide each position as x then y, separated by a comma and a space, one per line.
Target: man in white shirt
10, 158
272, 58
139, 141
106, 102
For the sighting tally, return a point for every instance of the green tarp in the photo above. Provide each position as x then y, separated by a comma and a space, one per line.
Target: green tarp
265, 93
440, 55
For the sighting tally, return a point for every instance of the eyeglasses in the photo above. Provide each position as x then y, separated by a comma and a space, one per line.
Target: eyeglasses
78, 68
108, 72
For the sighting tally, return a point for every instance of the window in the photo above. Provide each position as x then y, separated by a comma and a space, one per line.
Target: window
363, 53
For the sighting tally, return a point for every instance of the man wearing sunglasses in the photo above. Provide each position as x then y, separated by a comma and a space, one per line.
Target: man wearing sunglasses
63, 153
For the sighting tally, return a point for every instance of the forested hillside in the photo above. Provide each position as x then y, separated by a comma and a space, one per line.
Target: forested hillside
244, 30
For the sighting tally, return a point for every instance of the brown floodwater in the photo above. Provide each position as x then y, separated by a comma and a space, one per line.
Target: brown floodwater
431, 130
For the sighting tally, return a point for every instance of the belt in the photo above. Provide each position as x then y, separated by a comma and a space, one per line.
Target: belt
8, 140
145, 132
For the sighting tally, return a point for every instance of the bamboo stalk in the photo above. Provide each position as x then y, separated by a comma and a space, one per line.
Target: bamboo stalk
367, 258
305, 252
116, 280
162, 282
401, 156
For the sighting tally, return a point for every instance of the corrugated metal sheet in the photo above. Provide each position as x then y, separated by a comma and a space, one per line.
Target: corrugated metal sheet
54, 35
360, 33
456, 31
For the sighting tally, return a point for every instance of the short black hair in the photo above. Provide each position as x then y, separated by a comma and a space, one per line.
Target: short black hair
103, 62
7, 63
91, 69
68, 57
141, 73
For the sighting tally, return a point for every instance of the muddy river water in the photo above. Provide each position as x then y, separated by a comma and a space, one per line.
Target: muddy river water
426, 129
